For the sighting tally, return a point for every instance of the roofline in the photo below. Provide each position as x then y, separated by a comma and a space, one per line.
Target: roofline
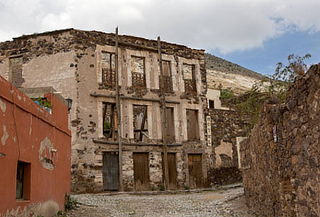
24, 37
42, 34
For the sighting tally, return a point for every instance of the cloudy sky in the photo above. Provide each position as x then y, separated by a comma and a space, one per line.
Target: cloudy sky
253, 33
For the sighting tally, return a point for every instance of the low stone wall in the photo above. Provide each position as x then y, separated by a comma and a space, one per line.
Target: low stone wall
224, 176
280, 159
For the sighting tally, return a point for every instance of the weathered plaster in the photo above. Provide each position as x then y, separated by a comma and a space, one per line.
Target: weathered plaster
239, 140
5, 135
224, 148
214, 95
46, 154
3, 106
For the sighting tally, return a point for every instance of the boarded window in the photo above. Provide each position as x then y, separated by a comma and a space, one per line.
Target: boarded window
167, 77
169, 133
166, 68
23, 181
138, 72
110, 120
108, 69
140, 122
211, 104
189, 78
15, 71
192, 125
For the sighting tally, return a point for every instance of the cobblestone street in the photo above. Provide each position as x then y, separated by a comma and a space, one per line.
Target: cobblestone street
222, 203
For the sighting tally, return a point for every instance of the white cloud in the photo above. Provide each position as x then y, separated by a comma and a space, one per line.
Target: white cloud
224, 25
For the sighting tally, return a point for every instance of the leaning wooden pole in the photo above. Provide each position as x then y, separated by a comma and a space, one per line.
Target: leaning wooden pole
163, 120
118, 105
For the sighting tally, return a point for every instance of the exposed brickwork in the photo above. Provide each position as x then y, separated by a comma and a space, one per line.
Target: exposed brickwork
280, 159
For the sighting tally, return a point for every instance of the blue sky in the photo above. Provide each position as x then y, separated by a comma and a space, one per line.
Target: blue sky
264, 59
256, 34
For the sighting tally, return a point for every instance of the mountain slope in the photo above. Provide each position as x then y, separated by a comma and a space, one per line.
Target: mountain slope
224, 74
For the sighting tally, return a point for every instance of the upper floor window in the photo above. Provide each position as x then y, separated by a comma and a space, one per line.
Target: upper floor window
140, 123
166, 84
109, 116
189, 78
138, 72
169, 133
211, 104
108, 70
192, 125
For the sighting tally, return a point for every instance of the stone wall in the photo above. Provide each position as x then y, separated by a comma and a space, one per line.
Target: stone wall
280, 159
227, 126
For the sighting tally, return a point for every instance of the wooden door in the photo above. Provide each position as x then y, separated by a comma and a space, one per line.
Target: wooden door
192, 125
110, 171
172, 170
195, 170
141, 171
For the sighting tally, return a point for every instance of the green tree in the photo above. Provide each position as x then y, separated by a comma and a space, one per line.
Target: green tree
273, 89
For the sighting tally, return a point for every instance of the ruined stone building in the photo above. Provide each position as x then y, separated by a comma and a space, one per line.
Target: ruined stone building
81, 65
226, 128
281, 158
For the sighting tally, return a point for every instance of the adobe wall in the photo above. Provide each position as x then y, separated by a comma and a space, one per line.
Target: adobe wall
280, 159
32, 135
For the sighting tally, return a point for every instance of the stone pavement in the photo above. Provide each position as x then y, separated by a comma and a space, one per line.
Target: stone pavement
219, 203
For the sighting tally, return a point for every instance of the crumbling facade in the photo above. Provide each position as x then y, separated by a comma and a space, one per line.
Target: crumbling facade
280, 159
82, 66
35, 151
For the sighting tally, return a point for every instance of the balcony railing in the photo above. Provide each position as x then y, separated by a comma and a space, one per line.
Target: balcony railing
108, 78
190, 86
138, 80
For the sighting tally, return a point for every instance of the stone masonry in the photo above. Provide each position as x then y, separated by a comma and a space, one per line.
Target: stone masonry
280, 159
228, 129
81, 66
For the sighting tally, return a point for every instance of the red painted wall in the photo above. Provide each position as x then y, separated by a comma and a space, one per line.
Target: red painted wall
23, 127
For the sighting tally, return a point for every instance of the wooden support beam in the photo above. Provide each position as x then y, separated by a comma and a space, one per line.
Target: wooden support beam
132, 98
107, 142
163, 120
118, 105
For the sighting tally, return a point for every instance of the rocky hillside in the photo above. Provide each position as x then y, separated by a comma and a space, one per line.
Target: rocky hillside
226, 74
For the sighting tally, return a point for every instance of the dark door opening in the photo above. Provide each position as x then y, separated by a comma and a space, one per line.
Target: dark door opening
110, 171
23, 181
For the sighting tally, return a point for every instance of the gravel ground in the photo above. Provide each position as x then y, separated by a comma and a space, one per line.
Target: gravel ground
224, 203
